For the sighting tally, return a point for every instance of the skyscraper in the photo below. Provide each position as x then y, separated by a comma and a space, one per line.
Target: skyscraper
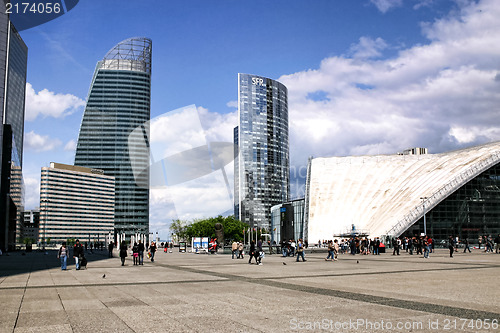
117, 104
13, 68
262, 174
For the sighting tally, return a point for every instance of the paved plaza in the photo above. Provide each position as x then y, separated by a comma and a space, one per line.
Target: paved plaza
185, 292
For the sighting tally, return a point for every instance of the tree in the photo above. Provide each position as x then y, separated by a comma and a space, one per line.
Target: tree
178, 228
233, 228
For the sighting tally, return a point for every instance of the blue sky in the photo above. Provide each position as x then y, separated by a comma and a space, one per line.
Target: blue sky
364, 76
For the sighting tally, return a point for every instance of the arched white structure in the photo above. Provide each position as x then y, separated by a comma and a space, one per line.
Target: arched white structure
382, 194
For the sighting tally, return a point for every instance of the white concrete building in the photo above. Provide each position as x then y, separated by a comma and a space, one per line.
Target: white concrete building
387, 194
76, 202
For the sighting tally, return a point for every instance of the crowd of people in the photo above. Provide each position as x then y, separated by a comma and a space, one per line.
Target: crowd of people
418, 245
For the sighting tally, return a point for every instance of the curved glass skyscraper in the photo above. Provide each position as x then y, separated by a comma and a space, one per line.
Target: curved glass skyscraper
117, 104
262, 166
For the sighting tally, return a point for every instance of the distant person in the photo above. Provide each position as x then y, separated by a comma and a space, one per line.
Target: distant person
123, 252
497, 243
141, 253
234, 249
451, 246
300, 250
135, 254
77, 254
240, 250
63, 255
270, 247
466, 243
330, 251
152, 249
110, 250
253, 253
335, 250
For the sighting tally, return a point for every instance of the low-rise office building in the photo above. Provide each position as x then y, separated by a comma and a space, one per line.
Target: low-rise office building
76, 203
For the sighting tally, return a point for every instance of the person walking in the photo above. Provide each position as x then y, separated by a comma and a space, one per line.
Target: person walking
77, 253
270, 247
426, 247
63, 255
123, 252
135, 254
466, 247
234, 248
335, 250
141, 252
330, 252
253, 253
110, 250
240, 251
451, 246
152, 249
300, 250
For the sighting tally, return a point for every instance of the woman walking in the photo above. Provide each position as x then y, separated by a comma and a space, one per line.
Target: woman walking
63, 255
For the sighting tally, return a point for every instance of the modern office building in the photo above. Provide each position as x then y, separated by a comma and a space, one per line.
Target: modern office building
13, 68
31, 224
262, 165
119, 103
458, 192
287, 221
75, 203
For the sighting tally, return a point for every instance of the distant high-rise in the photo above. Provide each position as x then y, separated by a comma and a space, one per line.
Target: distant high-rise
262, 166
13, 68
119, 102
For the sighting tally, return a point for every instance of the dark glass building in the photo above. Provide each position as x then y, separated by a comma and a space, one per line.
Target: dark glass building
13, 68
118, 103
262, 174
471, 211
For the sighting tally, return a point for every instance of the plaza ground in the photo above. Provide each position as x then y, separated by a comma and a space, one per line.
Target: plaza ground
185, 292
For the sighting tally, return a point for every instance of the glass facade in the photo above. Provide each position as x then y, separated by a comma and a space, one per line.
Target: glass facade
13, 68
118, 103
262, 175
279, 217
471, 211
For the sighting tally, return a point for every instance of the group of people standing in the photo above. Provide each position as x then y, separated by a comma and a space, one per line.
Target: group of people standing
137, 252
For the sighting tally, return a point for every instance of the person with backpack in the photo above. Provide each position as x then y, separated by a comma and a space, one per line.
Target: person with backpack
63, 255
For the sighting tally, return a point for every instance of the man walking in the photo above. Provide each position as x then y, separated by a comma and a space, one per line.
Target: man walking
300, 250
77, 253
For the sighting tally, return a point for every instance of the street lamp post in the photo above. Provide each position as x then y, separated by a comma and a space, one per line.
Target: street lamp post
425, 222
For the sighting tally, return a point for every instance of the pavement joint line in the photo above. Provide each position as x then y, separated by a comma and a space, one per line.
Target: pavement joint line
22, 299
117, 284
366, 298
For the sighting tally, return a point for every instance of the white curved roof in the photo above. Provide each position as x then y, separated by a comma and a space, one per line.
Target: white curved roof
382, 194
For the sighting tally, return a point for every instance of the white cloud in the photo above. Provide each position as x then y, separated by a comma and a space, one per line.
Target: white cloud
385, 5
40, 143
443, 95
368, 48
232, 104
46, 103
32, 192
70, 145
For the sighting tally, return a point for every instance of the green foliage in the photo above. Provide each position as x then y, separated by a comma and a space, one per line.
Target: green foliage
178, 229
233, 228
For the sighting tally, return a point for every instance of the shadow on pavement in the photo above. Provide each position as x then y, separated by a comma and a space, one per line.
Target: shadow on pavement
16, 263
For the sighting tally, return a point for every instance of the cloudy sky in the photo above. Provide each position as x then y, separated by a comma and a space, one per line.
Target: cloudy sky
364, 77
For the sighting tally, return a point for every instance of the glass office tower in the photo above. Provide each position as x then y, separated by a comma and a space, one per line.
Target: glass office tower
119, 102
13, 68
262, 174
